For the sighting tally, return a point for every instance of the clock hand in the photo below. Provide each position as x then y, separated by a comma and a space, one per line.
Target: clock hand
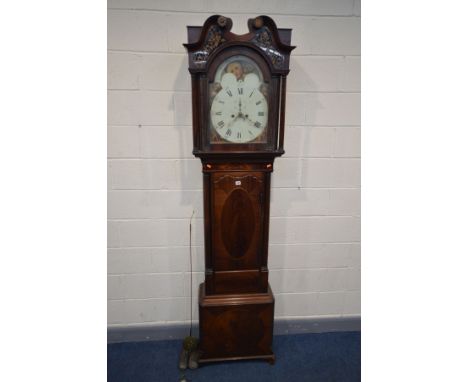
240, 107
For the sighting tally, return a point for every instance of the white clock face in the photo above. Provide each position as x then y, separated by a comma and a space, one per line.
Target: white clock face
239, 109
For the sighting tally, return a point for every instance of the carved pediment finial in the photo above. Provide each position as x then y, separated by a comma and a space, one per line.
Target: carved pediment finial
222, 21
258, 23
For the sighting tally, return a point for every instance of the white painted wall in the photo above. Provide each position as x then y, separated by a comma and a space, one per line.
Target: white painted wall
155, 182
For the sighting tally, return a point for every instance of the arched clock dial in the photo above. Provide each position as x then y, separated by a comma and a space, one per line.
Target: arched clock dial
239, 110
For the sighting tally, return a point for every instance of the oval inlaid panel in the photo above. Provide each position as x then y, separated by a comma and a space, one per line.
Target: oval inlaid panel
238, 222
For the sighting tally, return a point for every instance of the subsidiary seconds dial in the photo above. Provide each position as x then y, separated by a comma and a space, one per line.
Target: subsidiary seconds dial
239, 110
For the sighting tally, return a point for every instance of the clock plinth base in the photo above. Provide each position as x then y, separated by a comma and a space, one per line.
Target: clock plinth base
236, 326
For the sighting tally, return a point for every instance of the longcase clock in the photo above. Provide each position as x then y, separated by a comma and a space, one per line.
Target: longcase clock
238, 106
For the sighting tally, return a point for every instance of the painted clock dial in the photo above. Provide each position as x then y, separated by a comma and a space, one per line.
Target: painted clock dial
238, 103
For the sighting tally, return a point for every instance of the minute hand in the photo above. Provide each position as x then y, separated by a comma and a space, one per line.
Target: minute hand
249, 121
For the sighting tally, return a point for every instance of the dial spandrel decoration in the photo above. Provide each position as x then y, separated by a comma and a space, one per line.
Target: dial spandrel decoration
238, 102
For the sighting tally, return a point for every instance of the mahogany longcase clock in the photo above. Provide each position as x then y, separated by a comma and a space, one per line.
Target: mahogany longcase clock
238, 104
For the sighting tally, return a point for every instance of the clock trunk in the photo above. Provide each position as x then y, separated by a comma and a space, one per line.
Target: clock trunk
236, 220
